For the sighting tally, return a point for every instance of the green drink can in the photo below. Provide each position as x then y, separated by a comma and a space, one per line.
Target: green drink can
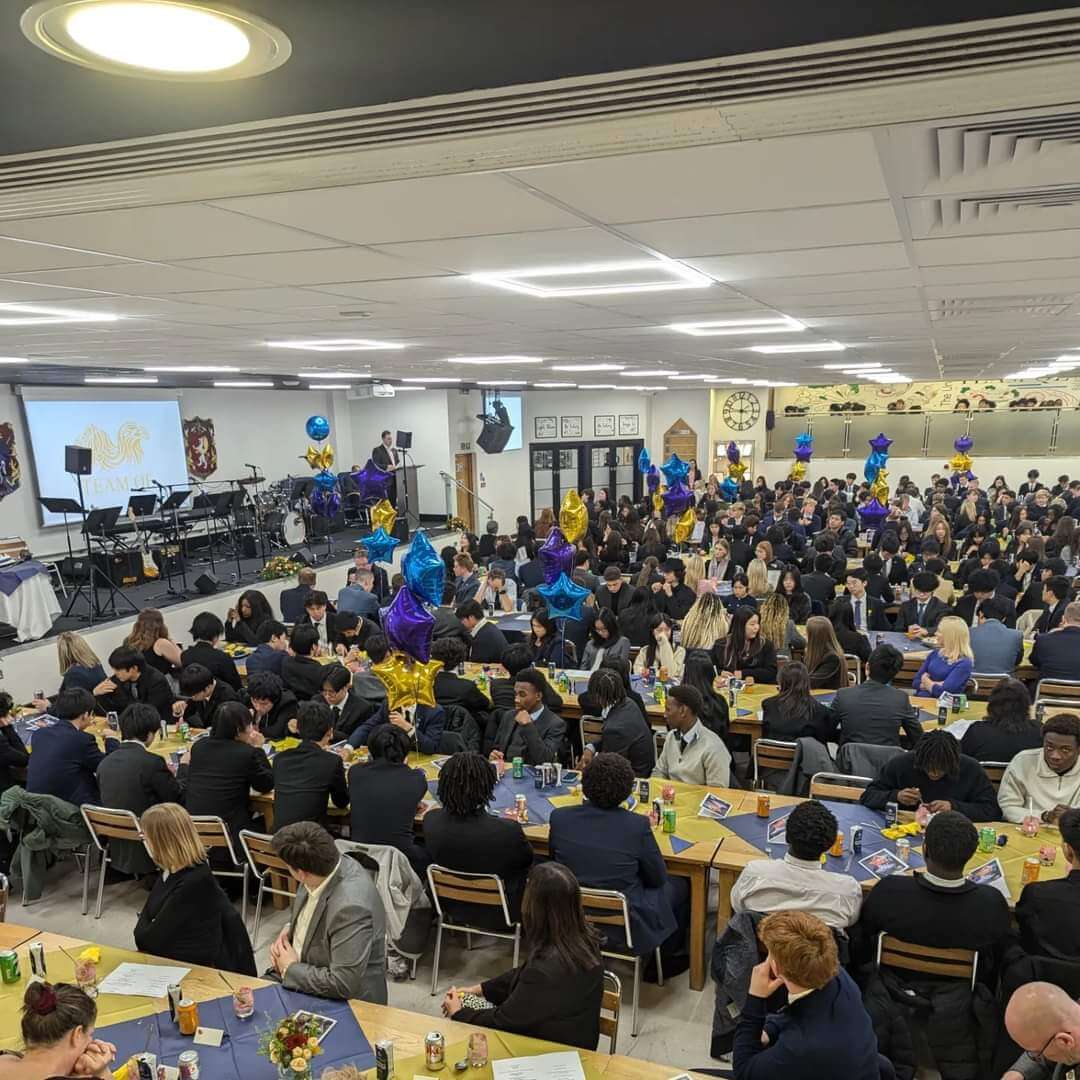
9, 966
987, 839
519, 768
669, 818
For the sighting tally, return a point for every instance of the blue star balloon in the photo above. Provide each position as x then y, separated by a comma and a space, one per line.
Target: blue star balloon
325, 479
729, 489
380, 545
372, 482
564, 598
408, 626
317, 428
675, 470
652, 478
806, 439
423, 570
644, 462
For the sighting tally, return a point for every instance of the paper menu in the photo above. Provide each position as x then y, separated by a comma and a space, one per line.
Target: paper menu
142, 980
564, 1065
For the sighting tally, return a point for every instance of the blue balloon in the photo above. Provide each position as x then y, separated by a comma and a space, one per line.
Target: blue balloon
325, 480
564, 598
644, 461
423, 569
729, 489
317, 428
380, 545
675, 470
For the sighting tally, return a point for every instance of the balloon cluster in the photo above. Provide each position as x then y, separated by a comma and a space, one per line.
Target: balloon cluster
325, 499
961, 461
804, 451
877, 476
652, 473
562, 595
731, 483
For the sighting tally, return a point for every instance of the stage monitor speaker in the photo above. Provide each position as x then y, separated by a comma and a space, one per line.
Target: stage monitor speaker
301, 558
404, 440
494, 437
207, 584
78, 460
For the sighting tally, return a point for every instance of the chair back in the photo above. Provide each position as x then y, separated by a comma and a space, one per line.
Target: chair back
265, 863
924, 959
839, 787
772, 754
854, 668
105, 823
214, 833
983, 684
995, 770
486, 890
610, 1006
1058, 693
608, 907
592, 729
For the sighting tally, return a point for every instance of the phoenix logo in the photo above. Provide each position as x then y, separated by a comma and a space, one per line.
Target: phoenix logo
126, 450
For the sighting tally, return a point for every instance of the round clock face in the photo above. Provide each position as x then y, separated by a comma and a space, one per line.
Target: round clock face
741, 410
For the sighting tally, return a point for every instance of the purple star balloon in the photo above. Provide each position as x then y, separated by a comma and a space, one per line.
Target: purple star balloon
881, 443
677, 498
804, 453
963, 444
325, 503
564, 598
872, 513
556, 556
372, 482
408, 626
423, 570
733, 453
652, 478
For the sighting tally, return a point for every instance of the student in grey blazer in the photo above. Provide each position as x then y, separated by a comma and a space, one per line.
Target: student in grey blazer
335, 943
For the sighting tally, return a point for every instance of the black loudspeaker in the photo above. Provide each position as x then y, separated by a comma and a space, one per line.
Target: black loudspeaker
247, 546
401, 530
77, 460
124, 567
207, 584
404, 440
494, 437
301, 558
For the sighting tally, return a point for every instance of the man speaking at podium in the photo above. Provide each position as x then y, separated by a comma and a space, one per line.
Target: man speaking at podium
386, 457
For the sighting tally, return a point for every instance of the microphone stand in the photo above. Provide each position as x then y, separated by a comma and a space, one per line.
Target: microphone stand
258, 514
207, 511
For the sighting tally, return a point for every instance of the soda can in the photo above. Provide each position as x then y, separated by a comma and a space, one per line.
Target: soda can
146, 1065
519, 768
903, 850
942, 715
892, 811
837, 848
187, 1065
244, 1003
384, 1059
551, 670
187, 1016
522, 806
670, 818
958, 702
538, 777
856, 839
9, 966
164, 728
764, 804
1047, 854
37, 960
174, 995
551, 778
434, 1050
987, 838
644, 790
1030, 870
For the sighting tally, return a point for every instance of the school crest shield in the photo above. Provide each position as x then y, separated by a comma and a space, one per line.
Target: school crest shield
200, 447
9, 461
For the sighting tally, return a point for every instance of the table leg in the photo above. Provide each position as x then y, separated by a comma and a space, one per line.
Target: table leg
699, 898
723, 909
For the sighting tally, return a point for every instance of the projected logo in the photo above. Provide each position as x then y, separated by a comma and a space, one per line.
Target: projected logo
127, 449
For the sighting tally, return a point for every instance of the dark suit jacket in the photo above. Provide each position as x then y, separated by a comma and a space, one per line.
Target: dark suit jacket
615, 601
480, 844
817, 722
452, 689
853, 643
275, 724
447, 624
898, 571
1056, 655
291, 602
1049, 916
221, 777
216, 938
615, 849
64, 763
488, 645
876, 619
331, 625
305, 779
13, 758
220, 664
133, 778
351, 713
534, 743
384, 458
264, 658
303, 675
384, 797
502, 695
1051, 618
874, 713
200, 714
627, 732
677, 604
152, 688
936, 610
964, 608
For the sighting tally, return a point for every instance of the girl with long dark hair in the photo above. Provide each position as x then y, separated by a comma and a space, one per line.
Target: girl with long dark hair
544, 639
699, 672
661, 651
824, 657
245, 620
795, 713
745, 653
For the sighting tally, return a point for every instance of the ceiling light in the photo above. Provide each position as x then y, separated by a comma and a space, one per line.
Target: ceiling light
430, 378
13, 360
598, 279
597, 386
644, 388
325, 374
192, 368
43, 315
852, 367
336, 345
118, 379
1068, 358
587, 367
818, 346
168, 39
556, 385
243, 384
645, 374
400, 389
500, 382
329, 386
731, 327
680, 377
494, 360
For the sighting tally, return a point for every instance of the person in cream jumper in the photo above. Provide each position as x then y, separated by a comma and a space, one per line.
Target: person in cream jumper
1044, 781
661, 652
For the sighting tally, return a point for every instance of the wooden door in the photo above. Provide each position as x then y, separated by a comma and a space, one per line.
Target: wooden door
681, 439
465, 473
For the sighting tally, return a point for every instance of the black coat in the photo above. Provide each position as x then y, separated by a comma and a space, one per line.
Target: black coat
488, 645
331, 626
546, 999
303, 675
200, 714
502, 695
817, 722
452, 689
627, 732
853, 643
221, 777
275, 724
634, 624
64, 763
351, 713
305, 779
617, 601
1057, 655
1051, 617
677, 604
1049, 916
969, 791
535, 743
219, 663
761, 666
151, 688
936, 610
291, 602
188, 918
13, 758
964, 608
820, 587
985, 741
447, 624
827, 674
874, 712
384, 797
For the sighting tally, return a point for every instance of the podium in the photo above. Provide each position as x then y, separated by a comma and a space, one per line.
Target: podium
407, 499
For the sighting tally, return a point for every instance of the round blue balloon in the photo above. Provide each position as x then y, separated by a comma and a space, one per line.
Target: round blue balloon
325, 480
317, 428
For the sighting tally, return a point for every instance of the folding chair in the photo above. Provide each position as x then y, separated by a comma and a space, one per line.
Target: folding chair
105, 824
984, 683
995, 770
214, 834
486, 890
854, 667
1064, 693
839, 787
772, 754
610, 1007
592, 729
265, 865
952, 963
608, 907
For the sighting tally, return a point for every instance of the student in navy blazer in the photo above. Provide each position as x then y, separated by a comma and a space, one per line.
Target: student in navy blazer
608, 847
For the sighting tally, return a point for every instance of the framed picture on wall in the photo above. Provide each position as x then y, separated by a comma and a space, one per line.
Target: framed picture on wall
570, 427
628, 423
545, 427
603, 425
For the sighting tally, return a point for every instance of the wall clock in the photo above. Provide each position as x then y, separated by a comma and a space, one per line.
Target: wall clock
741, 410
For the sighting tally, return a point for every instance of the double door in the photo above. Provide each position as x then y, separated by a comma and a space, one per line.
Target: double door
556, 468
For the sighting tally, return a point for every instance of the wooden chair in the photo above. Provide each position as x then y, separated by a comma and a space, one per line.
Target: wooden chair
610, 1006
105, 824
772, 754
592, 728
995, 770
269, 869
854, 667
925, 960
1064, 693
608, 907
486, 890
214, 834
983, 684
838, 787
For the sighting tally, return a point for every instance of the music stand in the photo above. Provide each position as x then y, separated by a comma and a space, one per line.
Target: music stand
141, 505
65, 507
95, 524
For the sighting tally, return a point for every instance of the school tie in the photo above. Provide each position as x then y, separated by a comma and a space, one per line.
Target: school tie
682, 745
920, 614
858, 615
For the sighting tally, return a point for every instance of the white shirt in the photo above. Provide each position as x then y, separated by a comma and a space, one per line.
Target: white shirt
790, 884
860, 611
944, 883
320, 628
303, 920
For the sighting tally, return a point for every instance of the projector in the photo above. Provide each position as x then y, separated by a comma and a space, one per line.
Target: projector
380, 389
364, 393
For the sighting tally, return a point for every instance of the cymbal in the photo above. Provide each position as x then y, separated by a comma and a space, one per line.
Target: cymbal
252, 480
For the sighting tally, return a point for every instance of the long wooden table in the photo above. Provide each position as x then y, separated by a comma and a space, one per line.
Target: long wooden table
406, 1029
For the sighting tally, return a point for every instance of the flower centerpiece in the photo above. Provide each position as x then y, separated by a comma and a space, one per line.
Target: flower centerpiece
280, 566
291, 1044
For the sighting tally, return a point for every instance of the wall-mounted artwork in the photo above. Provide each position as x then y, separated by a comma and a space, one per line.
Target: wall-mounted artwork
545, 427
603, 426
570, 427
200, 446
9, 461
628, 423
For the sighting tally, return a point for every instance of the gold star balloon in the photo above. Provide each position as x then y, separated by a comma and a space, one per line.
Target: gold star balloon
321, 458
573, 517
657, 501
798, 471
407, 681
383, 516
685, 526
737, 469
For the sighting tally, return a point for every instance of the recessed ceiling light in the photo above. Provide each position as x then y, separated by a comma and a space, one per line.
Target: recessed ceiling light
336, 345
329, 386
14, 360
494, 359
500, 382
325, 374
598, 279
698, 376
587, 367
431, 378
556, 385
852, 367
166, 39
644, 388
597, 386
119, 379
192, 368
239, 384
645, 374
44, 315
783, 324
811, 347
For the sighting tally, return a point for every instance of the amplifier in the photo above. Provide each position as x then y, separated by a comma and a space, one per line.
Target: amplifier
123, 567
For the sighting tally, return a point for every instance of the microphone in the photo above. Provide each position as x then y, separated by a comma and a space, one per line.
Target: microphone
248, 465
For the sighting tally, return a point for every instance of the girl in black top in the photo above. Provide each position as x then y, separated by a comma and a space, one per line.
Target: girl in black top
794, 713
245, 620
150, 636
1008, 727
635, 619
824, 657
739, 596
699, 672
746, 653
798, 602
545, 640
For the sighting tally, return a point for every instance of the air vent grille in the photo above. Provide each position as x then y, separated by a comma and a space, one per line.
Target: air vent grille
1035, 307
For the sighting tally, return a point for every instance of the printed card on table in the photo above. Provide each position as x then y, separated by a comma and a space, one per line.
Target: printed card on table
883, 863
712, 806
323, 1023
991, 874
776, 833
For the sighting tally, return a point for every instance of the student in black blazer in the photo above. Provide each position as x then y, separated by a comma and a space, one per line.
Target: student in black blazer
868, 610
851, 641
625, 730
347, 709
555, 994
66, 756
488, 641
794, 713
205, 695
1055, 599
308, 776
226, 767
451, 688
462, 835
300, 671
983, 584
206, 631
1048, 912
320, 618
274, 708
876, 711
188, 917
134, 680
517, 657
924, 610
132, 778
291, 601
13, 755
820, 585
530, 730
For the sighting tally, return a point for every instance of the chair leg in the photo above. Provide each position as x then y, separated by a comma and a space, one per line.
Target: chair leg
85, 879
659, 969
438, 953
637, 994
258, 912
468, 941
244, 896
101, 883
517, 944
412, 968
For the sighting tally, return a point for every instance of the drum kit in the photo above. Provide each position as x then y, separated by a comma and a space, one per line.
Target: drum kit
282, 524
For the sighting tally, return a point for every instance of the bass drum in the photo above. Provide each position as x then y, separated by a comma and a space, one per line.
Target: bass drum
286, 527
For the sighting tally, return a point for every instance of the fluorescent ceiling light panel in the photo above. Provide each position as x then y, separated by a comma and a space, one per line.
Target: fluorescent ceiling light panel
119, 379
645, 374
401, 389
195, 368
852, 367
335, 374
597, 386
494, 359
239, 384
587, 367
336, 345
598, 279
45, 315
329, 386
500, 382
810, 347
14, 360
430, 378
709, 378
556, 385
783, 324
